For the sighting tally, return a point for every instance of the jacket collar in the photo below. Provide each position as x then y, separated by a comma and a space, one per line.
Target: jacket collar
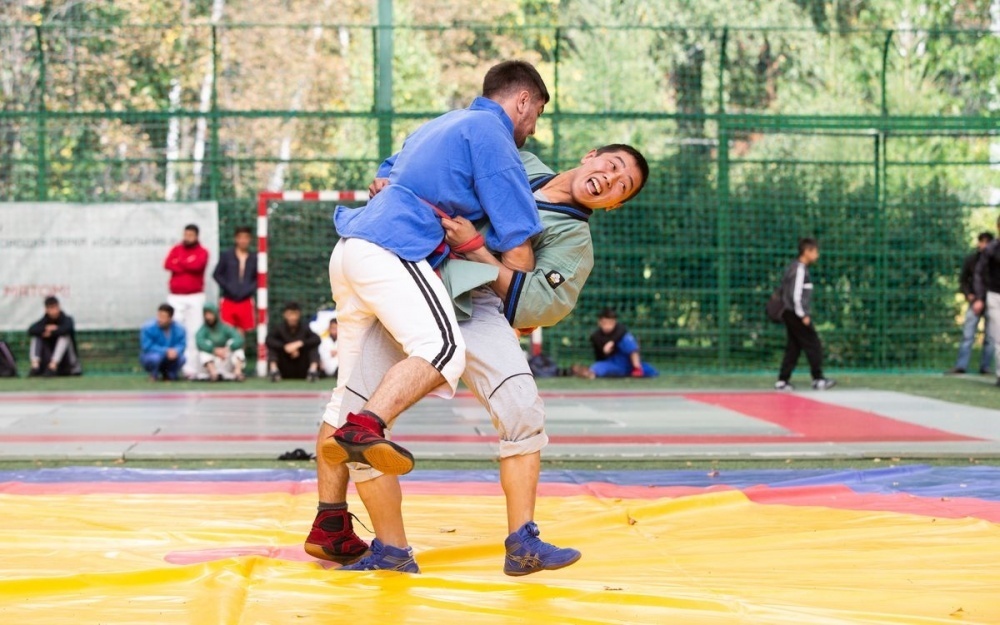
486, 104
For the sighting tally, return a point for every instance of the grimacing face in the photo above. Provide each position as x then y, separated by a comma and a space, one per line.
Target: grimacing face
605, 181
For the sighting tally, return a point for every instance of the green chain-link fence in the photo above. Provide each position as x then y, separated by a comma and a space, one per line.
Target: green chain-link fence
876, 142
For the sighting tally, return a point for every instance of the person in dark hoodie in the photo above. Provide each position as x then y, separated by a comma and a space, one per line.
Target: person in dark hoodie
796, 294
616, 351
236, 275
220, 348
53, 343
292, 348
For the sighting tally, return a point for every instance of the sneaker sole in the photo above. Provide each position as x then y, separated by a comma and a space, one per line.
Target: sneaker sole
320, 553
387, 457
544, 568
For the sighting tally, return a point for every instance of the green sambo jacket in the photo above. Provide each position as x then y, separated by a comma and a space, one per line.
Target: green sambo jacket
564, 258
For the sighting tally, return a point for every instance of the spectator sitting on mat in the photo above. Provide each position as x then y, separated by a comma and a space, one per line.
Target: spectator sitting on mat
292, 348
53, 343
616, 351
161, 343
236, 275
328, 350
220, 348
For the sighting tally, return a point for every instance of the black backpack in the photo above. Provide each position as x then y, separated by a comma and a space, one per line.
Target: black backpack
543, 367
775, 307
8, 366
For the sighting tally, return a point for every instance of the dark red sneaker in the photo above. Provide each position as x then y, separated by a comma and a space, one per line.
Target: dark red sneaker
357, 441
332, 538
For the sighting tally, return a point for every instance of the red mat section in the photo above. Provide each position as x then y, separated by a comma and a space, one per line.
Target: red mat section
812, 420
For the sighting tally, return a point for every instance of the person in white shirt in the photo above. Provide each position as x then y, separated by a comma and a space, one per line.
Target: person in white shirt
329, 362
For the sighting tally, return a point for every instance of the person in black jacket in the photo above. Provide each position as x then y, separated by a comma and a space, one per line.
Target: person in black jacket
292, 348
967, 289
53, 343
796, 293
236, 275
986, 284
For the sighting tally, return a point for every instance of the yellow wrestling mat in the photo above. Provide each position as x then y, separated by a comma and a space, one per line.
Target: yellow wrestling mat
716, 557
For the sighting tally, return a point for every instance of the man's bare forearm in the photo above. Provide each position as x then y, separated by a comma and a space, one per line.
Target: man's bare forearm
521, 258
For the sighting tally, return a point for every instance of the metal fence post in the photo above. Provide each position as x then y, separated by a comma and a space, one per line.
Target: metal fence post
555, 97
724, 249
42, 181
214, 173
383, 82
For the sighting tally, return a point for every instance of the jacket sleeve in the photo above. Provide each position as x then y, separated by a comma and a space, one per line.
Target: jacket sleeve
66, 326
172, 262
235, 340
386, 166
177, 260
543, 297
200, 262
178, 338
798, 289
275, 339
37, 328
982, 267
504, 192
219, 275
148, 343
310, 340
203, 340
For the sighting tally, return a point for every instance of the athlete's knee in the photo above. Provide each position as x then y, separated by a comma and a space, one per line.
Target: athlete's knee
519, 416
361, 473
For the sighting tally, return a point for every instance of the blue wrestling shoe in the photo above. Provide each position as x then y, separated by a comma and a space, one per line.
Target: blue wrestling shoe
527, 554
382, 557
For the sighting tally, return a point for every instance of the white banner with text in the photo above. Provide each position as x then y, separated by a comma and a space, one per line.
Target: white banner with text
103, 261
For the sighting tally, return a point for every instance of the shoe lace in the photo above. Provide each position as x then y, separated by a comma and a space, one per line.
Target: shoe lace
368, 562
355, 517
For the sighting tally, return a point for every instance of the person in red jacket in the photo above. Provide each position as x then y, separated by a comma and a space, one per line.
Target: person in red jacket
186, 263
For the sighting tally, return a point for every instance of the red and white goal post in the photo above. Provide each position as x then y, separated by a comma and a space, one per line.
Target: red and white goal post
265, 199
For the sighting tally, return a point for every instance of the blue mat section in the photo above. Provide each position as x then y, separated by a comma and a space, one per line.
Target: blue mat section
980, 482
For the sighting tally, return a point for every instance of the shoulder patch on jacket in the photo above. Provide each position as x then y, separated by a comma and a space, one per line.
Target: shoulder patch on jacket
555, 279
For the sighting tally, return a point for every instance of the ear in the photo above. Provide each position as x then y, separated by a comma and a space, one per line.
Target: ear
523, 101
589, 155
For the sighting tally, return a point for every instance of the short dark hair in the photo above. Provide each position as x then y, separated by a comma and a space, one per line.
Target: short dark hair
332, 320
51, 300
608, 313
243, 230
986, 237
167, 308
293, 306
807, 243
639, 159
504, 78
193, 228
